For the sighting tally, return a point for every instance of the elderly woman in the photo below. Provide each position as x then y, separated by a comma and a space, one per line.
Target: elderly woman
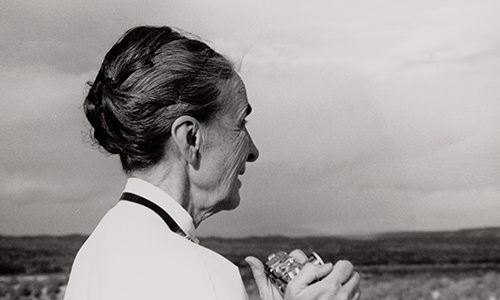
174, 111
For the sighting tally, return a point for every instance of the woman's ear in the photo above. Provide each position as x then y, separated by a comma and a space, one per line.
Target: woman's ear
187, 136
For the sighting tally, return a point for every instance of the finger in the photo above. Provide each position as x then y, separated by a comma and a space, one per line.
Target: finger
342, 271
356, 295
299, 256
353, 282
311, 273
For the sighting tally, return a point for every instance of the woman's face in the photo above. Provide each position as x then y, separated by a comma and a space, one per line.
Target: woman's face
226, 148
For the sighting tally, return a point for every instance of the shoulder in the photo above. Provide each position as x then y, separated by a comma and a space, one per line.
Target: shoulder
132, 254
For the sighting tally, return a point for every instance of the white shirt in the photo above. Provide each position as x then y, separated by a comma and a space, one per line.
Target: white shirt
132, 254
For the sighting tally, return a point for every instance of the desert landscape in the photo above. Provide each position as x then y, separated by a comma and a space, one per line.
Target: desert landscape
451, 265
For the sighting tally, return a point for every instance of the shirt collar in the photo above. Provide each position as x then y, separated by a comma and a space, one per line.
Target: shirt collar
159, 197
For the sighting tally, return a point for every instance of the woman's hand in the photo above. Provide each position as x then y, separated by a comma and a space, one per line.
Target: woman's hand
326, 281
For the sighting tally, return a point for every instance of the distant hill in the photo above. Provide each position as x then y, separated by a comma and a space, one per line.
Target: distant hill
466, 234
43, 254
471, 248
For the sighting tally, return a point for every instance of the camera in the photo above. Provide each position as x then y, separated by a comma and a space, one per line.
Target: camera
280, 268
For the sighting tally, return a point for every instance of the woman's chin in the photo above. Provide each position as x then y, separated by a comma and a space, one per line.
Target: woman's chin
234, 200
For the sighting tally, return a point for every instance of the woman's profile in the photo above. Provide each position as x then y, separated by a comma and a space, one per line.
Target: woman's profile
174, 111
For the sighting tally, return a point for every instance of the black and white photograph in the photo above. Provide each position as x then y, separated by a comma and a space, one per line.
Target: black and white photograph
270, 150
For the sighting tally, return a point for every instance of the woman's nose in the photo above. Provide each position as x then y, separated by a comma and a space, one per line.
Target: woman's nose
253, 153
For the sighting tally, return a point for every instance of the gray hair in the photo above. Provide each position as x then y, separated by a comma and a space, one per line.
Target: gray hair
149, 78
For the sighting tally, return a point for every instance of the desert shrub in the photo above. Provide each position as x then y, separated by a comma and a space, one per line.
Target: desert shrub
4, 289
54, 285
433, 287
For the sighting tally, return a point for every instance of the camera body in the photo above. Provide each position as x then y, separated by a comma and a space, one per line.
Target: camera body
281, 268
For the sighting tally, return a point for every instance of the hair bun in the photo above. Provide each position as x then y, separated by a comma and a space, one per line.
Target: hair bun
150, 77
97, 110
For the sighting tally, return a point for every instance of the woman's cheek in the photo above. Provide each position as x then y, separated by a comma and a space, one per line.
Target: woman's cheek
237, 157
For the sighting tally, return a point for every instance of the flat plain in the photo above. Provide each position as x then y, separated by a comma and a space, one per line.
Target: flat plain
448, 265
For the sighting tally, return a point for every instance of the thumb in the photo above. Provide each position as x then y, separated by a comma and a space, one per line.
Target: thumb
266, 290
257, 270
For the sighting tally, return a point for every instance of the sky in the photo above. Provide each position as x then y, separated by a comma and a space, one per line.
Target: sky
370, 116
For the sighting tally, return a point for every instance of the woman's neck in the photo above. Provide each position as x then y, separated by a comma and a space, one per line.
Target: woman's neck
173, 179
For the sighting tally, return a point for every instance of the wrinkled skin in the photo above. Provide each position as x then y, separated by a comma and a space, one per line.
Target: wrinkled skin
226, 148
332, 282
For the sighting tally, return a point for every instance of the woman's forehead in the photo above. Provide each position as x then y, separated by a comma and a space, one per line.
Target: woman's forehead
237, 85
235, 97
